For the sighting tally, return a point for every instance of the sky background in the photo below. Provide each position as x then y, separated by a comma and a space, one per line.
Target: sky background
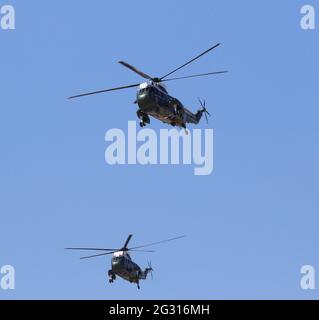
250, 225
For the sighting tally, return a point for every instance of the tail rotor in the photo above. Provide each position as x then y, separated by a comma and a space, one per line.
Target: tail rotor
204, 110
149, 268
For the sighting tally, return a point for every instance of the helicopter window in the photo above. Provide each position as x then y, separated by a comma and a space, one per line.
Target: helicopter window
117, 259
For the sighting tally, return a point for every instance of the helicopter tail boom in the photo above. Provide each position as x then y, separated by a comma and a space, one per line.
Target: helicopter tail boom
147, 270
145, 273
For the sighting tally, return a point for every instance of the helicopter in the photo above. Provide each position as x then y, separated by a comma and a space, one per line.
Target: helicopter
122, 264
154, 100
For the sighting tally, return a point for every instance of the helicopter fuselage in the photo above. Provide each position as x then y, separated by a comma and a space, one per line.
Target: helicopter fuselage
153, 100
126, 268
123, 266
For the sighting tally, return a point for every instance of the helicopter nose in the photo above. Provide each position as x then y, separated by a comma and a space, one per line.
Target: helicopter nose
143, 99
116, 263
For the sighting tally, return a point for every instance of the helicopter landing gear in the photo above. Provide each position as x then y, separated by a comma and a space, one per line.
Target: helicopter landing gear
112, 276
184, 126
142, 124
145, 119
138, 286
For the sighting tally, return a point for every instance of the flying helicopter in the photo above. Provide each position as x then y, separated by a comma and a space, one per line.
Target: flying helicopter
154, 100
122, 264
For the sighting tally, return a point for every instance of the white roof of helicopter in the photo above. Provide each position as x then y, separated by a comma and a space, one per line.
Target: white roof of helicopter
120, 253
143, 85
151, 83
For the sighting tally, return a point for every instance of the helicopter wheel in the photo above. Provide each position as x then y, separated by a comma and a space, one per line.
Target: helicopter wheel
142, 124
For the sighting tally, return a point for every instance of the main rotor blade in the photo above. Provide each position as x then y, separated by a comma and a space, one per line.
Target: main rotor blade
190, 61
98, 255
142, 74
91, 249
154, 243
194, 76
133, 250
127, 241
102, 91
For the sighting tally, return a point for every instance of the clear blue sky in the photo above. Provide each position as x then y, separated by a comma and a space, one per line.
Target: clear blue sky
251, 225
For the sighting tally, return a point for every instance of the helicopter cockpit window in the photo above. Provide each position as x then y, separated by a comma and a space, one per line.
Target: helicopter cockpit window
118, 259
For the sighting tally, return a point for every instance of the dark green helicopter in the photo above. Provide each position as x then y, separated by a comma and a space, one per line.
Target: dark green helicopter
122, 264
154, 100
